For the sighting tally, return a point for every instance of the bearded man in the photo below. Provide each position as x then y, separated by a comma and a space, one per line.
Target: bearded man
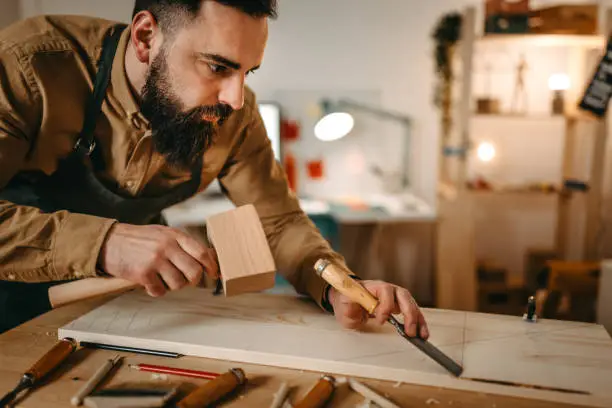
104, 125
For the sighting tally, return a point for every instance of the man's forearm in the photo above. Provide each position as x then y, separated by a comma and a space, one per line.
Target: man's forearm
39, 247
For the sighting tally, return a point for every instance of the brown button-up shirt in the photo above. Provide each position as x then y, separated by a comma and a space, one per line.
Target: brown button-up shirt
47, 65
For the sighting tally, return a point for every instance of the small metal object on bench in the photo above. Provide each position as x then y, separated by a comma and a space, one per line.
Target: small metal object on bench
530, 315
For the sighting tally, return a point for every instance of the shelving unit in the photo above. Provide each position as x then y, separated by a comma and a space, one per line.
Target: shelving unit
574, 217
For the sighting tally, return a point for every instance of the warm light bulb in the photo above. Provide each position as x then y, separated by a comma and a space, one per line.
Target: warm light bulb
486, 152
558, 82
334, 126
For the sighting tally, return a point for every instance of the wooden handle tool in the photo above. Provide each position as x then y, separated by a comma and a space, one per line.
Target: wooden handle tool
319, 395
52, 359
214, 390
343, 283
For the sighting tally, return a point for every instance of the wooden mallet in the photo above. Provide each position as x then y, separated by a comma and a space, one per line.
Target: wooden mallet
245, 261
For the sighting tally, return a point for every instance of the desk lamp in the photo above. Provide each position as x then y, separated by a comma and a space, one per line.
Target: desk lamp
336, 123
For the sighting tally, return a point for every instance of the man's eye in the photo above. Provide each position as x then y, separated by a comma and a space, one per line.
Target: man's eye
216, 68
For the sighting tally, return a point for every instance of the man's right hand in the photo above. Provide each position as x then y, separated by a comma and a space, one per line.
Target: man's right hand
156, 257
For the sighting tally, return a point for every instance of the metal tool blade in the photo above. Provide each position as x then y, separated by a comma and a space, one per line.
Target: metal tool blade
25, 383
426, 347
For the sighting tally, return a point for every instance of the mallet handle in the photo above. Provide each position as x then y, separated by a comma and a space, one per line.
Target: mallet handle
67, 293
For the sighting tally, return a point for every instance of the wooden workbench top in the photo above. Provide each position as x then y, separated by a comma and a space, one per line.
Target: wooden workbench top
21, 347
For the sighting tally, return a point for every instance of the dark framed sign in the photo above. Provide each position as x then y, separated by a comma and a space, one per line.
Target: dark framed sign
598, 93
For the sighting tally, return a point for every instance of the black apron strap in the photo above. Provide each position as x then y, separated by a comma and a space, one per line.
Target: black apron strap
86, 143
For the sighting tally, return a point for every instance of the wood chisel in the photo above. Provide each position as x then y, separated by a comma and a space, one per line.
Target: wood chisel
214, 390
350, 288
319, 395
47, 363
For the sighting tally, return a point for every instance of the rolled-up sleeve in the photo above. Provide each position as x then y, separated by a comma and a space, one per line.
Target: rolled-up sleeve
253, 176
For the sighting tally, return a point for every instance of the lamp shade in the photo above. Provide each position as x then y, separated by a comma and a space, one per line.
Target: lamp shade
334, 126
558, 82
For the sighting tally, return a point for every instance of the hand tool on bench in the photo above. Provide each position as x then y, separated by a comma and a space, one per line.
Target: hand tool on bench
214, 390
47, 363
134, 397
350, 288
318, 395
245, 260
96, 379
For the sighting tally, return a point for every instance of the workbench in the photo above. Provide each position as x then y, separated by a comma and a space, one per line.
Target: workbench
22, 346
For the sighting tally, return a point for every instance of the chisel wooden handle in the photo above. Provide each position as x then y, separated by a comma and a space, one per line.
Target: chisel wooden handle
319, 395
214, 390
346, 285
51, 359
67, 293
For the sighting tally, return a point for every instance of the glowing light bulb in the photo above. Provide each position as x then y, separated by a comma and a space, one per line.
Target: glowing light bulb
485, 152
334, 126
558, 82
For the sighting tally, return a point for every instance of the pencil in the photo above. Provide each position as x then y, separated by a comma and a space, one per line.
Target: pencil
174, 371
94, 380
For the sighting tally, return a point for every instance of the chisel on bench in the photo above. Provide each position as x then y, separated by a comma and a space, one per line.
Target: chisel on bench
344, 284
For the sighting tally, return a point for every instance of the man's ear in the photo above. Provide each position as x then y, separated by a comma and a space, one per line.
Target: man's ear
144, 32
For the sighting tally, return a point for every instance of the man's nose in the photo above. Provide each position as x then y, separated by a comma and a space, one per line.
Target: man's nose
232, 92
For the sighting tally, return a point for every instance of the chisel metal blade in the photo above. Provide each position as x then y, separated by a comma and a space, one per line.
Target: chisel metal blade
426, 347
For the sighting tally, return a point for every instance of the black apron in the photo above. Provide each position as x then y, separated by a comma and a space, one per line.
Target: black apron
83, 193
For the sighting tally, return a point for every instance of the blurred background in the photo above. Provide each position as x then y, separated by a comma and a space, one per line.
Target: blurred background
468, 173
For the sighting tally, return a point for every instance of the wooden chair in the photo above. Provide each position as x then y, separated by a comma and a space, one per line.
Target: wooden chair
573, 281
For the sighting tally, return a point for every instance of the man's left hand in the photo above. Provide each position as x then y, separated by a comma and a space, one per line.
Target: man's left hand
393, 299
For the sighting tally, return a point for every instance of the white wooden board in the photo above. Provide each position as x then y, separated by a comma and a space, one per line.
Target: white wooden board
291, 332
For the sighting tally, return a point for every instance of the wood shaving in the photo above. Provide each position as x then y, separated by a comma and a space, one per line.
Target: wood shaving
432, 401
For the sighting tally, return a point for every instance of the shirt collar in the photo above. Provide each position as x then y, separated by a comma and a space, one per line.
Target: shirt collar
121, 85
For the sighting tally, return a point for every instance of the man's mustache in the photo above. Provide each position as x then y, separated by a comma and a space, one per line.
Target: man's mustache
219, 111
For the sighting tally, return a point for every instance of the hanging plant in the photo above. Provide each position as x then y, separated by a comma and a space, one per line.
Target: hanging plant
446, 35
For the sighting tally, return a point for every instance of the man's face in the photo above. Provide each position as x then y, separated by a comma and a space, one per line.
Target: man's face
196, 79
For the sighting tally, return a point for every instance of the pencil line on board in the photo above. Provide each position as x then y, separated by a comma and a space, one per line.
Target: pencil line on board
533, 334
356, 358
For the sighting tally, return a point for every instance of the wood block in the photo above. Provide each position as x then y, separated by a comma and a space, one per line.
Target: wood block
245, 259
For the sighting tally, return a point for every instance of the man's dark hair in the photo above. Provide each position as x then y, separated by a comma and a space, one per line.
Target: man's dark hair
165, 11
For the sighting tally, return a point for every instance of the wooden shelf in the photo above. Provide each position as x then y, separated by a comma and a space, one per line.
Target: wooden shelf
520, 192
543, 40
518, 116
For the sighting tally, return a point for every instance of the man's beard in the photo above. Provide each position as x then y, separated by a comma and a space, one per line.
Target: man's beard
182, 137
